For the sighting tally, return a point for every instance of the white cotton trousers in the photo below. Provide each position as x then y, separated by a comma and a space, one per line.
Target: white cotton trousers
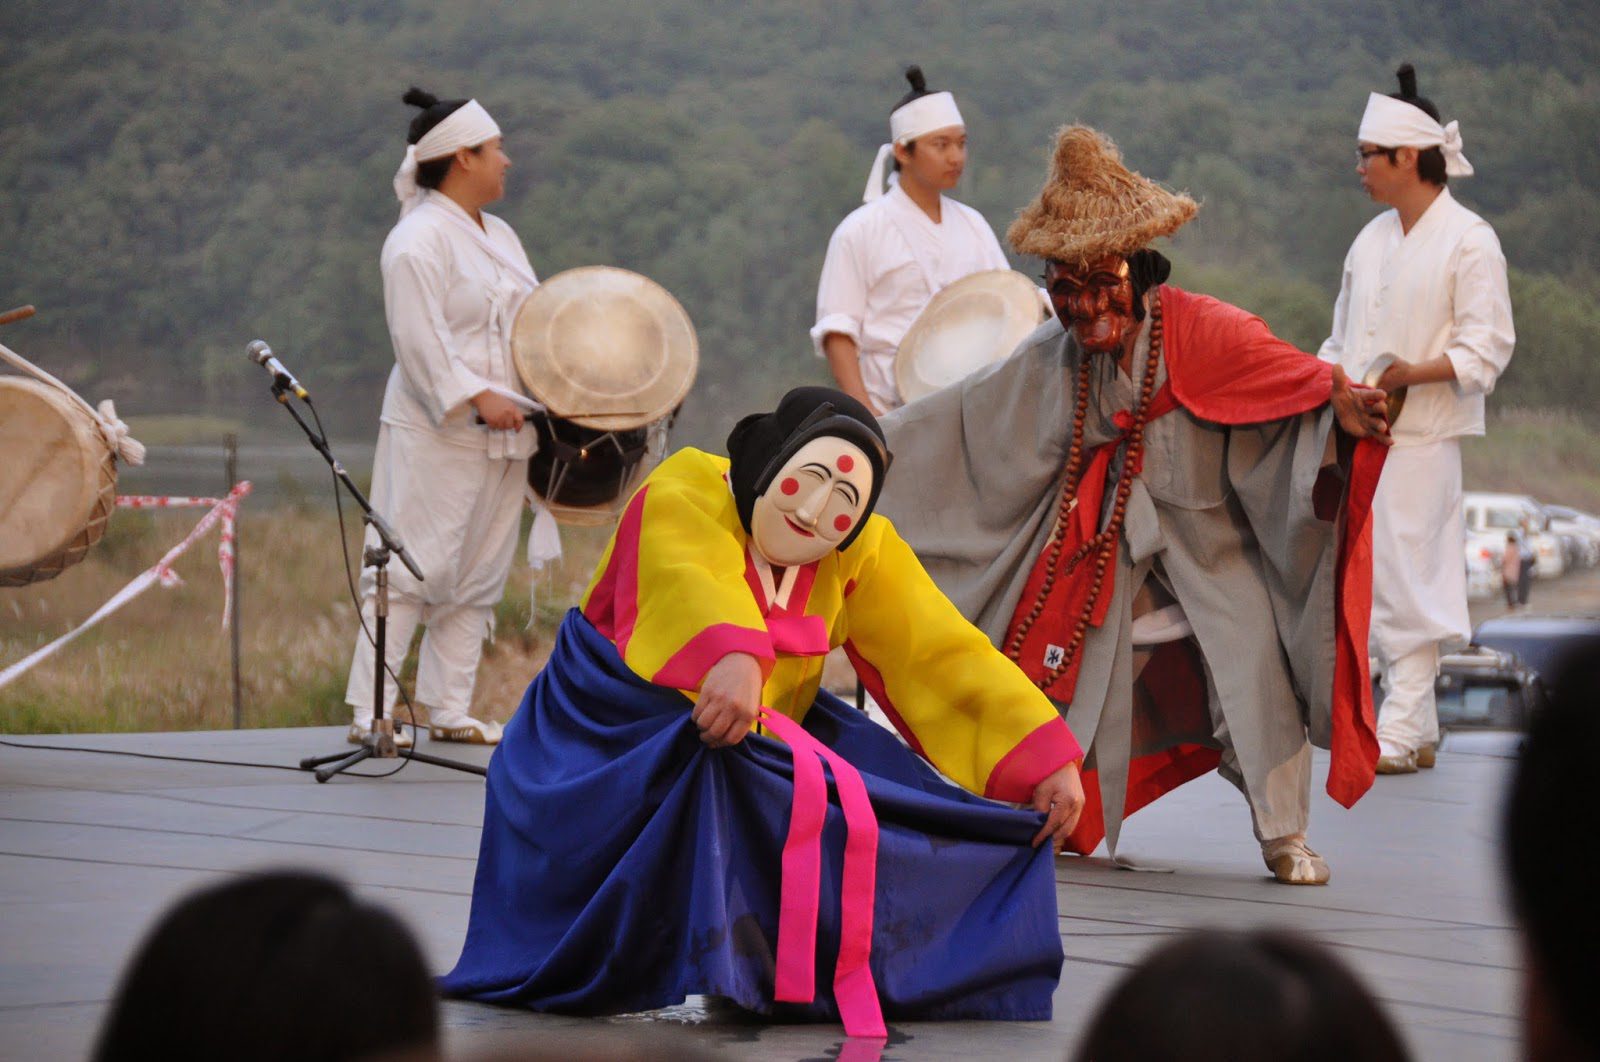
1419, 573
458, 512
1408, 718
447, 664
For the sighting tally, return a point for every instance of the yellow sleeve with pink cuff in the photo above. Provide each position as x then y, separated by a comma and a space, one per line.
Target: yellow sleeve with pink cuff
670, 591
956, 698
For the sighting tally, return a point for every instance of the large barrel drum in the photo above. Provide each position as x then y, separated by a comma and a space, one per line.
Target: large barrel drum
58, 481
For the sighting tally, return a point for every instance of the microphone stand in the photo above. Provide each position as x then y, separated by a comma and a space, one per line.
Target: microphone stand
379, 744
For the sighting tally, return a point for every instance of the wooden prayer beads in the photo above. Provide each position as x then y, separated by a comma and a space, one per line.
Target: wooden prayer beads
1104, 544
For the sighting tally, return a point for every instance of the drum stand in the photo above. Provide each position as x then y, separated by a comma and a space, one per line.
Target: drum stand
379, 744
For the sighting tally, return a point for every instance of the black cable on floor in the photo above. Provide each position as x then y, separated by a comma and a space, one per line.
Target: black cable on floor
176, 759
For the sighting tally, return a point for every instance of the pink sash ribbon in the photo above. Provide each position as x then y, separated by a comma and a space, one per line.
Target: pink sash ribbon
795, 980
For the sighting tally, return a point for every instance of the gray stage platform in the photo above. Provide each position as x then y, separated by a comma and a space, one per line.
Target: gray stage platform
92, 847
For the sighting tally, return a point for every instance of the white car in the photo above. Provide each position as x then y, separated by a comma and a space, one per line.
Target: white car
1566, 520
1508, 512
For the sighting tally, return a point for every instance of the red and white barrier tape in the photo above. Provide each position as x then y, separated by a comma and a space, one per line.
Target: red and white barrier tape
223, 510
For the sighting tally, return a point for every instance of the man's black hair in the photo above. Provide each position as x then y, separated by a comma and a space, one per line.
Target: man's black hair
430, 174
1430, 161
919, 89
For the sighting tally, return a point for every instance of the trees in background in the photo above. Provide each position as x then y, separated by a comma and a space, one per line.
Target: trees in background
179, 179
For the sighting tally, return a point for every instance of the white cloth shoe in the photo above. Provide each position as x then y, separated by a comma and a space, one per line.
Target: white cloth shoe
1400, 763
1392, 759
1293, 862
464, 728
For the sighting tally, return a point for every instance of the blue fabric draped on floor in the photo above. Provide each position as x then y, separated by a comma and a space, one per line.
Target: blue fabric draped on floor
625, 865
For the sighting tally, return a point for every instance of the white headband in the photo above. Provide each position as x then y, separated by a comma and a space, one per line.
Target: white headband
467, 126
1390, 122
921, 116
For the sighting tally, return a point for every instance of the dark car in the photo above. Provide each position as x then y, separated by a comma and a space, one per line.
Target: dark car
1512, 665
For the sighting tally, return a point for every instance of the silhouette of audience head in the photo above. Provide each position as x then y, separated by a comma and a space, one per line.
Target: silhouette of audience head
1227, 996
275, 965
1551, 819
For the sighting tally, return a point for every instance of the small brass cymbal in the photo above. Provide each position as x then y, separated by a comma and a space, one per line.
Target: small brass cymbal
1397, 397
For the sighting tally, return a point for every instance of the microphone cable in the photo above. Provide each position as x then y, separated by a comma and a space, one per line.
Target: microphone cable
355, 599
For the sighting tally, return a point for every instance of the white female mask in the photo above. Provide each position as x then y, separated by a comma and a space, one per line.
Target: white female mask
813, 503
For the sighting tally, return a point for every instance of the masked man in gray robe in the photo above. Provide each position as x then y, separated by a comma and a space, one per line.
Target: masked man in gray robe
1160, 510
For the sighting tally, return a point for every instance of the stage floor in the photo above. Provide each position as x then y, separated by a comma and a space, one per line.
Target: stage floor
92, 847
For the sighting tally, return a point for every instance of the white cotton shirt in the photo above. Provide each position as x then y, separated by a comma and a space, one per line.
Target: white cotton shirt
451, 292
886, 260
1439, 289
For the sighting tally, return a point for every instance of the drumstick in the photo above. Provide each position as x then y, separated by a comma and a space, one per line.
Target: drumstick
21, 313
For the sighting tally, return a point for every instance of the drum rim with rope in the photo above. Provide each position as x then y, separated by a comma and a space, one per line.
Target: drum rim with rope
1025, 311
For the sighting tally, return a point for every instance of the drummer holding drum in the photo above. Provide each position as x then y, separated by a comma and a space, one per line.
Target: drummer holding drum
453, 446
888, 258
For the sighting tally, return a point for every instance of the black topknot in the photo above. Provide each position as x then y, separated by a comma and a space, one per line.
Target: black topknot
1408, 79
434, 110
418, 98
1407, 76
919, 87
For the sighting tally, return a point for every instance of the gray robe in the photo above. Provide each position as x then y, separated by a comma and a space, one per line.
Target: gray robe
1221, 516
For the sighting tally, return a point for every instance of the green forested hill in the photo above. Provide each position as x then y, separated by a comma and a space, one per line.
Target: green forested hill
181, 177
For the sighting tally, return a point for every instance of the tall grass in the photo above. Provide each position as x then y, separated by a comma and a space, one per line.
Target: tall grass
1552, 455
162, 663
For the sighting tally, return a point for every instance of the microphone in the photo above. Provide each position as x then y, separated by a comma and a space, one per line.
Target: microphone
261, 354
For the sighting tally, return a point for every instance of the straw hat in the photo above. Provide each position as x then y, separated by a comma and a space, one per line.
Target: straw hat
1092, 205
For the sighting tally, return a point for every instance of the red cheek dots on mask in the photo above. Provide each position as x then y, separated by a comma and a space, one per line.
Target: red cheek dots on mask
841, 524
789, 485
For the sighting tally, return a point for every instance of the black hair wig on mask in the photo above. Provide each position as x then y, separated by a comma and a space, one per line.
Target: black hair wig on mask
1146, 269
762, 443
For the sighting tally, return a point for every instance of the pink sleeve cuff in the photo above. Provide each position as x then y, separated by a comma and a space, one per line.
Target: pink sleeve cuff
689, 665
1036, 757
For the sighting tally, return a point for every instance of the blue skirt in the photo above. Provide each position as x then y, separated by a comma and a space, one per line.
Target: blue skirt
625, 865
